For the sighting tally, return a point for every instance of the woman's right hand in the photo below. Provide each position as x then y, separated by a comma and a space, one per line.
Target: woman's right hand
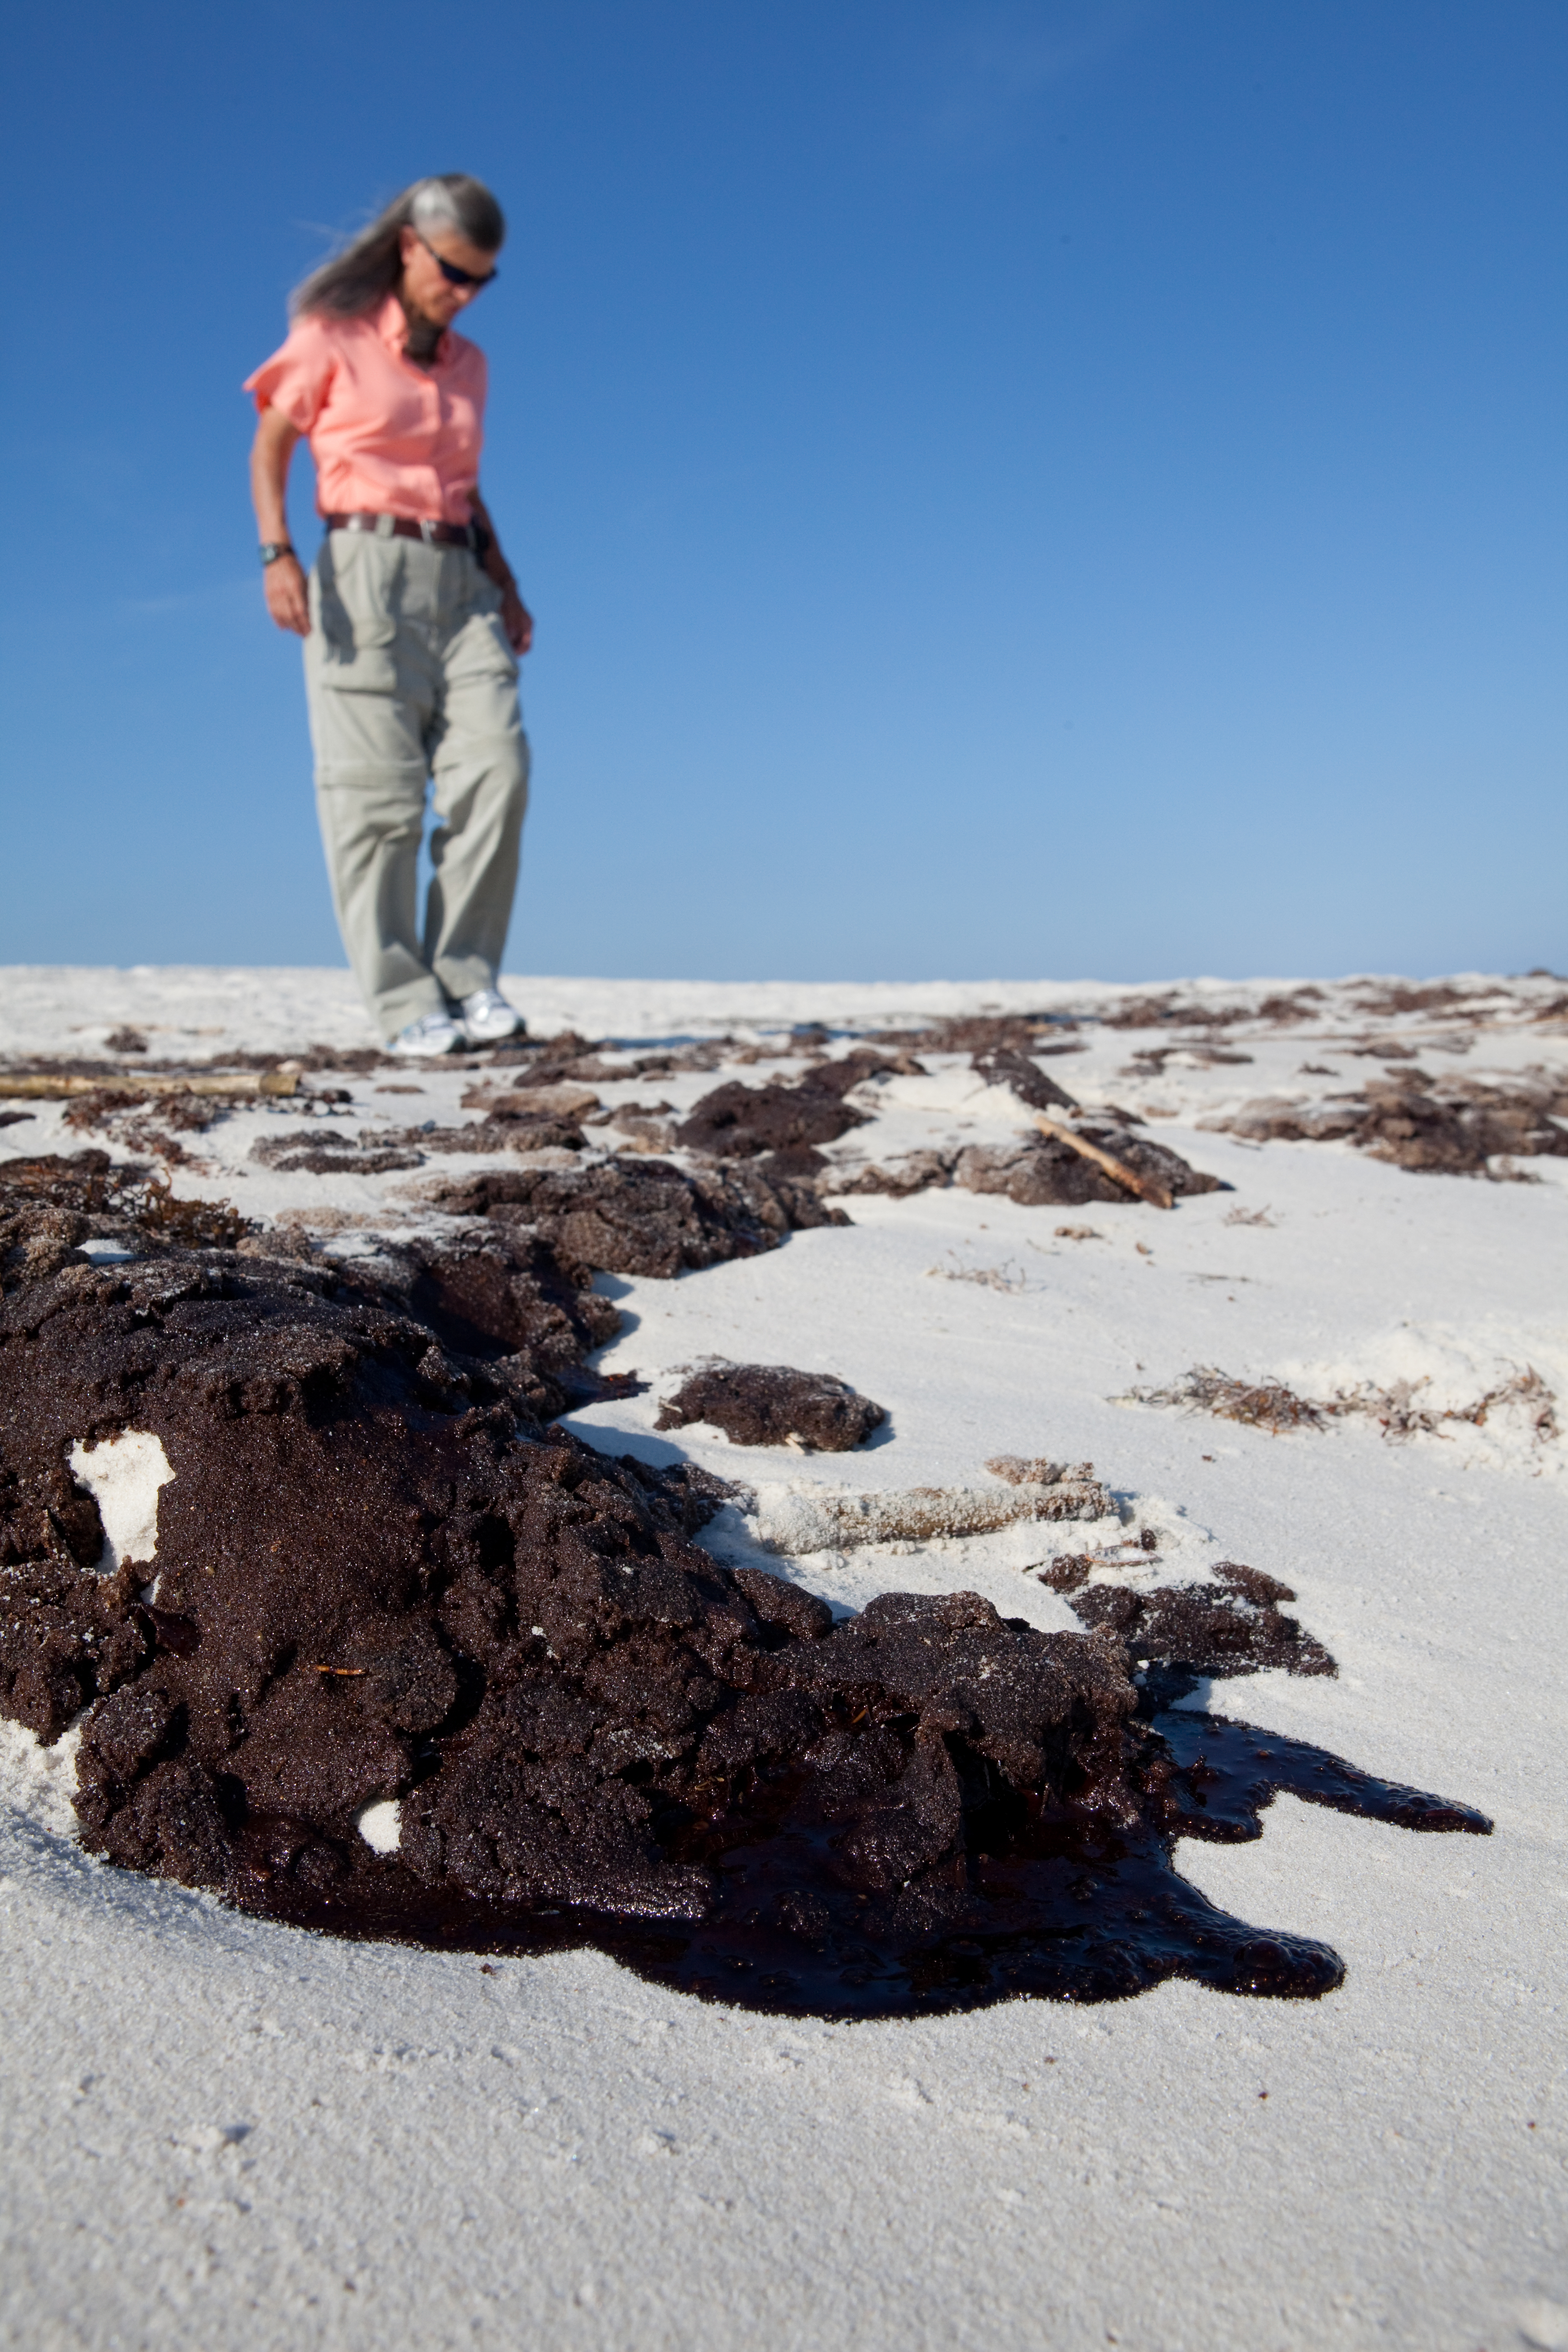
288, 598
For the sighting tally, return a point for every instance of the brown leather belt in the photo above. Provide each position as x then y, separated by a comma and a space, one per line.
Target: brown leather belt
434, 534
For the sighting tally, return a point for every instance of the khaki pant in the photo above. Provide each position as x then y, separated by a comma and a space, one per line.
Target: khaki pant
409, 678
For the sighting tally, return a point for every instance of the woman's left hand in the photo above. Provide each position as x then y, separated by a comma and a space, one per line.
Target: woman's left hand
516, 619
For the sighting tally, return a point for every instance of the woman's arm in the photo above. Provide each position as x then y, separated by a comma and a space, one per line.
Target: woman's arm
516, 618
288, 599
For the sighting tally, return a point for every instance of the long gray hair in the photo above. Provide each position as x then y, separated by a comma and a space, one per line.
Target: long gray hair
365, 273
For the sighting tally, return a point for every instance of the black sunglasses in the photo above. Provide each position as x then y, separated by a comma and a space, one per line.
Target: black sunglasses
450, 272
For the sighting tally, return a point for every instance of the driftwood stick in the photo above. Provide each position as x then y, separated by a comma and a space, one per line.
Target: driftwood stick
37, 1087
1144, 1186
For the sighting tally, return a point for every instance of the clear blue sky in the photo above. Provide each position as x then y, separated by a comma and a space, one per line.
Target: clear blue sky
1060, 487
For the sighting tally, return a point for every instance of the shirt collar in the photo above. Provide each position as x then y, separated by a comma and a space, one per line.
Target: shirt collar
392, 326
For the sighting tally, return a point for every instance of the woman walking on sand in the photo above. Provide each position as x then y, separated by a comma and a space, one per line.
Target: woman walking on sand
411, 618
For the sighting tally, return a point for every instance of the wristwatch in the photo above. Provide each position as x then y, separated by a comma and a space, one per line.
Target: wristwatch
271, 548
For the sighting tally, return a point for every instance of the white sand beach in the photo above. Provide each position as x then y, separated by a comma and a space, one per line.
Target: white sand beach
223, 2132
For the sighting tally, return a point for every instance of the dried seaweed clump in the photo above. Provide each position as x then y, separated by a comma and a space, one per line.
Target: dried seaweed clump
108, 1106
51, 1205
140, 1127
1261, 1404
1009, 1277
1400, 1412
161, 1213
99, 1108
1397, 1408
771, 1405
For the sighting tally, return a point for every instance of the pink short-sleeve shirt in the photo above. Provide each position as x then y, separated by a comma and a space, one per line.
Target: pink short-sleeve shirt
387, 437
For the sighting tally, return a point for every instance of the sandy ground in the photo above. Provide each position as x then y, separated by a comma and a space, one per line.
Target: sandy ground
222, 2133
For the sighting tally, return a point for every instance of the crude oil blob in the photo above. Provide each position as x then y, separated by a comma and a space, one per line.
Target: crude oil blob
382, 1580
767, 1404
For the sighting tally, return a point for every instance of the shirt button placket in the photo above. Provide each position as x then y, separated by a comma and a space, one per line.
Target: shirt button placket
440, 619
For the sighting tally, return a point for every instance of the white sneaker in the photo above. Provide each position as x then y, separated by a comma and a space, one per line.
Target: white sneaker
489, 1020
432, 1033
